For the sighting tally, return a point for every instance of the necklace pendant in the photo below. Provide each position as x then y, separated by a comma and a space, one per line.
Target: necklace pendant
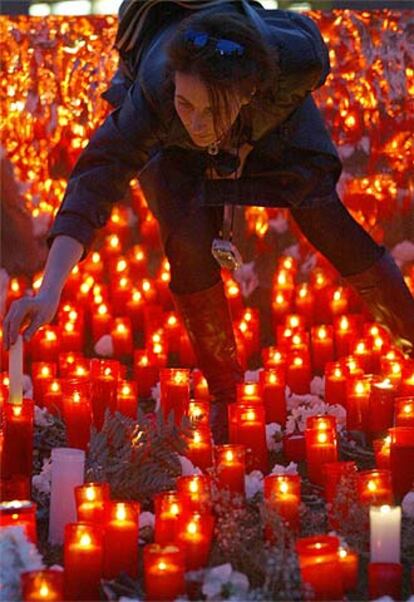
213, 149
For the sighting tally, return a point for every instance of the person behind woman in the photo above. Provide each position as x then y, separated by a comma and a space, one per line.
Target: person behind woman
213, 106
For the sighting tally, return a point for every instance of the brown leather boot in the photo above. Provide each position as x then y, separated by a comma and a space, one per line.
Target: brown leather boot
207, 318
388, 298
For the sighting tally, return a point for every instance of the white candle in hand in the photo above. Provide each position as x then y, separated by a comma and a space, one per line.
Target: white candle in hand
385, 532
16, 371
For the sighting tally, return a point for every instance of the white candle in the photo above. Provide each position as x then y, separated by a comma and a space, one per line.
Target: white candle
68, 466
385, 532
16, 371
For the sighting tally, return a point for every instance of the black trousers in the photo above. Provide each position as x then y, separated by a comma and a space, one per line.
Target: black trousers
327, 225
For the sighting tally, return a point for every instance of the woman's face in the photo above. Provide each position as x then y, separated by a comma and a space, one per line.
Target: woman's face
192, 104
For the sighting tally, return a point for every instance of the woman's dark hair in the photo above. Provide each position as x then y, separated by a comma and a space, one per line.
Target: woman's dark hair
254, 72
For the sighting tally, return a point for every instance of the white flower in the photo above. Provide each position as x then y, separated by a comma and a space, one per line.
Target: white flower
252, 376
317, 386
42, 417
253, 483
43, 481
17, 555
27, 387
291, 468
146, 519
105, 346
223, 575
156, 395
407, 504
187, 466
271, 430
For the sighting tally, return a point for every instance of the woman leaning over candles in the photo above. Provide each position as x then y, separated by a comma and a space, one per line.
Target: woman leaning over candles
213, 107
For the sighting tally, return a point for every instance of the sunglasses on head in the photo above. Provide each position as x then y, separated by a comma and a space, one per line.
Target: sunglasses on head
221, 46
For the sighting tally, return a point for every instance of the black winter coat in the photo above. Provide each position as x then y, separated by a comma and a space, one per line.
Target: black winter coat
293, 159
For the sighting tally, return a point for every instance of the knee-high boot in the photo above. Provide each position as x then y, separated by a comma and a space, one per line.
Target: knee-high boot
388, 299
207, 318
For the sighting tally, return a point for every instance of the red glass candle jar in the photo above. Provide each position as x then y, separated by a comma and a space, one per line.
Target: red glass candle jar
385, 579
104, 375
20, 513
335, 383
248, 392
101, 321
68, 360
282, 492
349, 562
200, 447
319, 562
298, 372
304, 302
90, 502
274, 357
45, 345
195, 535
250, 430
362, 349
375, 487
77, 411
382, 450
175, 391
168, 507
127, 398
357, 403
195, 492
146, 372
346, 330
321, 447
322, 344
42, 372
407, 381
121, 538
200, 386
281, 306
17, 454
121, 333
272, 386
230, 467
404, 411
402, 459
164, 568
198, 412
381, 406
83, 561
42, 586
52, 396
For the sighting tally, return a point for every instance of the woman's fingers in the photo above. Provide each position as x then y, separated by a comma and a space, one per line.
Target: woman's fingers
15, 316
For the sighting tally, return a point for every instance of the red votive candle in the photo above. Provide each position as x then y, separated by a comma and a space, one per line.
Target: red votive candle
319, 563
274, 357
346, 330
349, 562
17, 455
121, 538
407, 381
273, 384
195, 534
362, 349
195, 492
198, 412
357, 403
381, 406
20, 513
385, 579
42, 586
335, 383
230, 467
281, 306
175, 391
121, 333
200, 447
146, 372
321, 447
52, 396
298, 372
42, 372
305, 302
164, 568
322, 344
101, 321
282, 493
104, 383
374, 487
392, 369
126, 398
77, 411
250, 430
68, 360
404, 411
90, 502
294, 447
83, 561
44, 345
248, 393
402, 459
200, 386
168, 507
382, 450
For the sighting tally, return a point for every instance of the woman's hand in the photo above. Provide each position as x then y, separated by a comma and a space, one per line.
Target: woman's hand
243, 153
32, 312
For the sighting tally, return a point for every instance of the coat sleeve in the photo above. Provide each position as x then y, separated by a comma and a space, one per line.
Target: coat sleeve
116, 152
